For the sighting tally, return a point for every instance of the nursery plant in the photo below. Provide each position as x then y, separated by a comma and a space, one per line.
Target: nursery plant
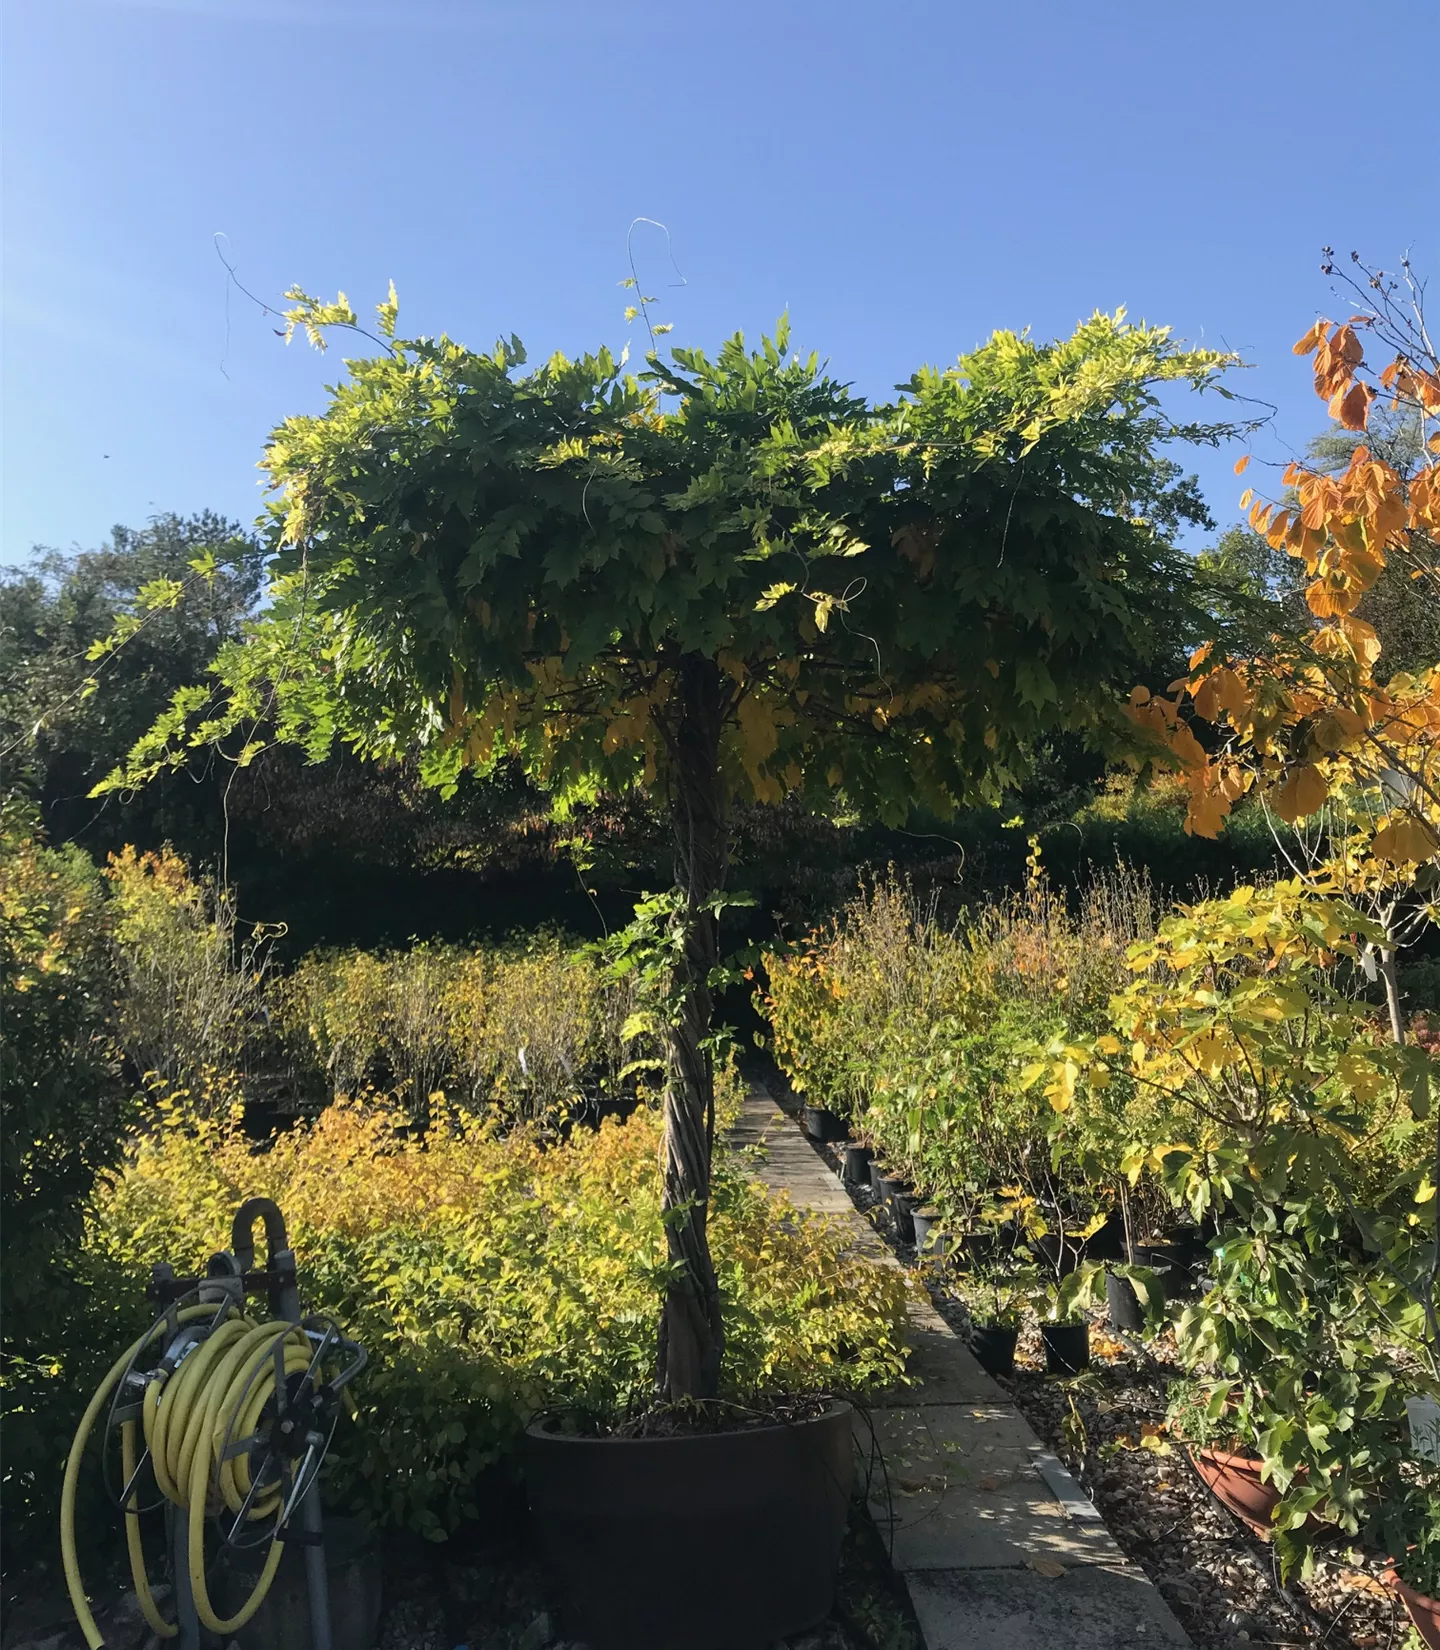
1263, 1097
722, 577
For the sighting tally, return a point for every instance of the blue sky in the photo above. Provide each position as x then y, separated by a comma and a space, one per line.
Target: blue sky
905, 177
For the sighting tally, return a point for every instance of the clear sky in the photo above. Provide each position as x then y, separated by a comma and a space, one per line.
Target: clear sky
905, 176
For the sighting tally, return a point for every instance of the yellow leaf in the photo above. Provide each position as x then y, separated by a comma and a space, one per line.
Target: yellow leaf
1405, 840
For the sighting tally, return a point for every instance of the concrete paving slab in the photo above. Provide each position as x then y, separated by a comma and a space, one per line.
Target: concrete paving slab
1114, 1608
941, 1369
962, 1489
997, 1544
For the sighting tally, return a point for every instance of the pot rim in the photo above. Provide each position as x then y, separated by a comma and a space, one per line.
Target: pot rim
542, 1429
1392, 1578
1228, 1458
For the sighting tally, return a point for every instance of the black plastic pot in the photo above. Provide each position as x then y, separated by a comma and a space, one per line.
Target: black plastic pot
877, 1179
1178, 1264
822, 1125
1109, 1242
1126, 1312
979, 1245
1067, 1347
726, 1541
855, 1165
994, 1347
900, 1204
1056, 1252
925, 1224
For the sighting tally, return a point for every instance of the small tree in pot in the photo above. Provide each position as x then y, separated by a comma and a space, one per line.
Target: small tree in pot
721, 577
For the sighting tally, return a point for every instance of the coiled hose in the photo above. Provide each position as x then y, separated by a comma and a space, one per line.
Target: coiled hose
217, 1391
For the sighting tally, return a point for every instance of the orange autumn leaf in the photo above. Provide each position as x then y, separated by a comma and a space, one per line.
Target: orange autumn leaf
1352, 406
1308, 344
1303, 792
1206, 814
1242, 464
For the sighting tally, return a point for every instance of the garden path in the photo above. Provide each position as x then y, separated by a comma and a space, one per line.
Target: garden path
996, 1543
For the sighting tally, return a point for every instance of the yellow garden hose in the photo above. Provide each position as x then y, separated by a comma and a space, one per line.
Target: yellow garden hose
215, 1393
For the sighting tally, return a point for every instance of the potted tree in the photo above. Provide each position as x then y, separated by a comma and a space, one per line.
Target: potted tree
1064, 1331
1211, 1420
722, 578
995, 1304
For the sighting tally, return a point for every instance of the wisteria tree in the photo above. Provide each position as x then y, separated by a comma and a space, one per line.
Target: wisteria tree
716, 578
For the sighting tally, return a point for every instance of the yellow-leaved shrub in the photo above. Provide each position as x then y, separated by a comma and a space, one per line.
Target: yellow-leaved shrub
494, 1276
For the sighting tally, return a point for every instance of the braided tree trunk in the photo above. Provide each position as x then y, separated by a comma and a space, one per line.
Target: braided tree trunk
691, 1333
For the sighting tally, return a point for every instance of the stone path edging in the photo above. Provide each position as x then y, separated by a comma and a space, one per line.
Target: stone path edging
997, 1545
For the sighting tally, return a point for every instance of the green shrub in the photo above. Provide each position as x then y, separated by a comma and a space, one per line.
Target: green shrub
520, 1030
63, 1111
491, 1277
923, 1032
192, 991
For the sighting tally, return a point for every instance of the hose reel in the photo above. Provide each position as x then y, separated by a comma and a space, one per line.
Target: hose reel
216, 1412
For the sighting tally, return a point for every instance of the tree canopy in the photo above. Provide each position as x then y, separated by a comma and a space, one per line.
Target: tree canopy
71, 707
475, 560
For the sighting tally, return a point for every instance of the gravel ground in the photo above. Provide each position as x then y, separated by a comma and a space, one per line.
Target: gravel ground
1220, 1580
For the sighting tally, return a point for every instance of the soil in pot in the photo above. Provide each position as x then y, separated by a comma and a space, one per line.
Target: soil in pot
1423, 1611
855, 1165
1235, 1482
719, 1541
1067, 1347
822, 1125
994, 1347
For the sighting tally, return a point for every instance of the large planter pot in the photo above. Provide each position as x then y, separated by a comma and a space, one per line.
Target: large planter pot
1067, 1347
1235, 1482
724, 1541
994, 1347
877, 1179
822, 1125
855, 1165
1424, 1612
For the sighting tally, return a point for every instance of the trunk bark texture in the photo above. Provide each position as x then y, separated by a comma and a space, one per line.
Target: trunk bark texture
691, 1333
1390, 973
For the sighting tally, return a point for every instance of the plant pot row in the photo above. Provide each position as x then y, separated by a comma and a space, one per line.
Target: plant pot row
1067, 1347
823, 1126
